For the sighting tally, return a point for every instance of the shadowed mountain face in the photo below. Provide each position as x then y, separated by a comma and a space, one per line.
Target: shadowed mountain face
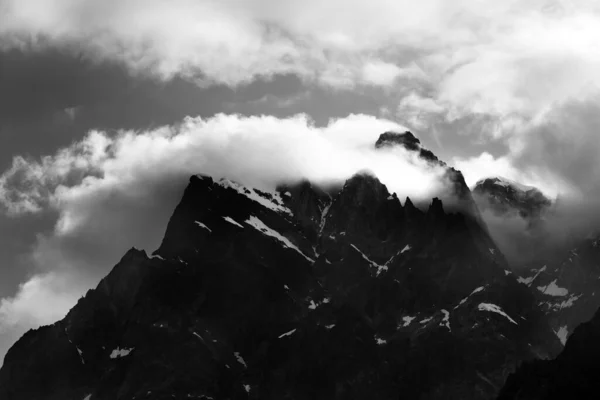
564, 276
504, 196
567, 287
572, 375
299, 293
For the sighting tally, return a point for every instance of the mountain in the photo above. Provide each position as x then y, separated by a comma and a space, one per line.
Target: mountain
572, 375
567, 287
504, 196
565, 276
302, 292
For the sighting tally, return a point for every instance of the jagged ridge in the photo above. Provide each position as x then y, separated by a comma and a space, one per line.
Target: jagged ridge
297, 293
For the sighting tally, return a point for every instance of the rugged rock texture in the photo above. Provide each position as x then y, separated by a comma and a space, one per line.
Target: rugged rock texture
572, 375
567, 287
504, 196
298, 293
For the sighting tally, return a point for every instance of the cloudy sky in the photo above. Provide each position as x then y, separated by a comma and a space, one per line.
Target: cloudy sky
107, 107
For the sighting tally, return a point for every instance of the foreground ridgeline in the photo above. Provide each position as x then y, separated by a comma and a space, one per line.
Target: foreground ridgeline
572, 375
299, 293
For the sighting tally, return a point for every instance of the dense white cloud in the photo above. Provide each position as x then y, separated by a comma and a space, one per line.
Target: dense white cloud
511, 60
43, 299
112, 192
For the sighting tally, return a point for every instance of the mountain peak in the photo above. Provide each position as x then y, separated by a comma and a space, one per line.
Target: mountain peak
505, 182
390, 138
436, 207
504, 195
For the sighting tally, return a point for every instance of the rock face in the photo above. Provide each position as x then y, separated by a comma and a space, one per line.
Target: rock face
299, 293
572, 375
567, 287
504, 196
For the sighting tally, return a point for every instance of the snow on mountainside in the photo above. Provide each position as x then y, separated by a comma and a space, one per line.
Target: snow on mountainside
567, 287
303, 292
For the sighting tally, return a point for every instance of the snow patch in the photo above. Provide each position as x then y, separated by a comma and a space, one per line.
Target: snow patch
198, 336
552, 289
80, 354
528, 281
232, 221
565, 303
158, 256
88, 397
406, 248
446, 321
118, 353
492, 251
379, 341
407, 320
240, 359
329, 326
494, 308
247, 388
287, 333
324, 217
562, 334
463, 301
373, 264
426, 320
200, 224
264, 229
507, 272
270, 200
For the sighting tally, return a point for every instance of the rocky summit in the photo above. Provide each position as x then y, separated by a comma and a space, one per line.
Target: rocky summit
342, 292
504, 196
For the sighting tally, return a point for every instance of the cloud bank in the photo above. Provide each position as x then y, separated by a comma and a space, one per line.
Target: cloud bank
503, 71
507, 59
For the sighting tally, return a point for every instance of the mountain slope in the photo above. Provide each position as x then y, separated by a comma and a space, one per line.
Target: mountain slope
572, 375
564, 276
297, 293
567, 287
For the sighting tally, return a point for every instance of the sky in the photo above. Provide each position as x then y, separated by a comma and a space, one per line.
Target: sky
106, 109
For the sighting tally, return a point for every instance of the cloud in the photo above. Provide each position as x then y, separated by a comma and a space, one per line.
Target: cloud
485, 165
507, 60
559, 155
43, 299
114, 191
381, 73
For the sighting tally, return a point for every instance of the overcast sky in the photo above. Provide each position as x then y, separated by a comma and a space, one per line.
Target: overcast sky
107, 107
